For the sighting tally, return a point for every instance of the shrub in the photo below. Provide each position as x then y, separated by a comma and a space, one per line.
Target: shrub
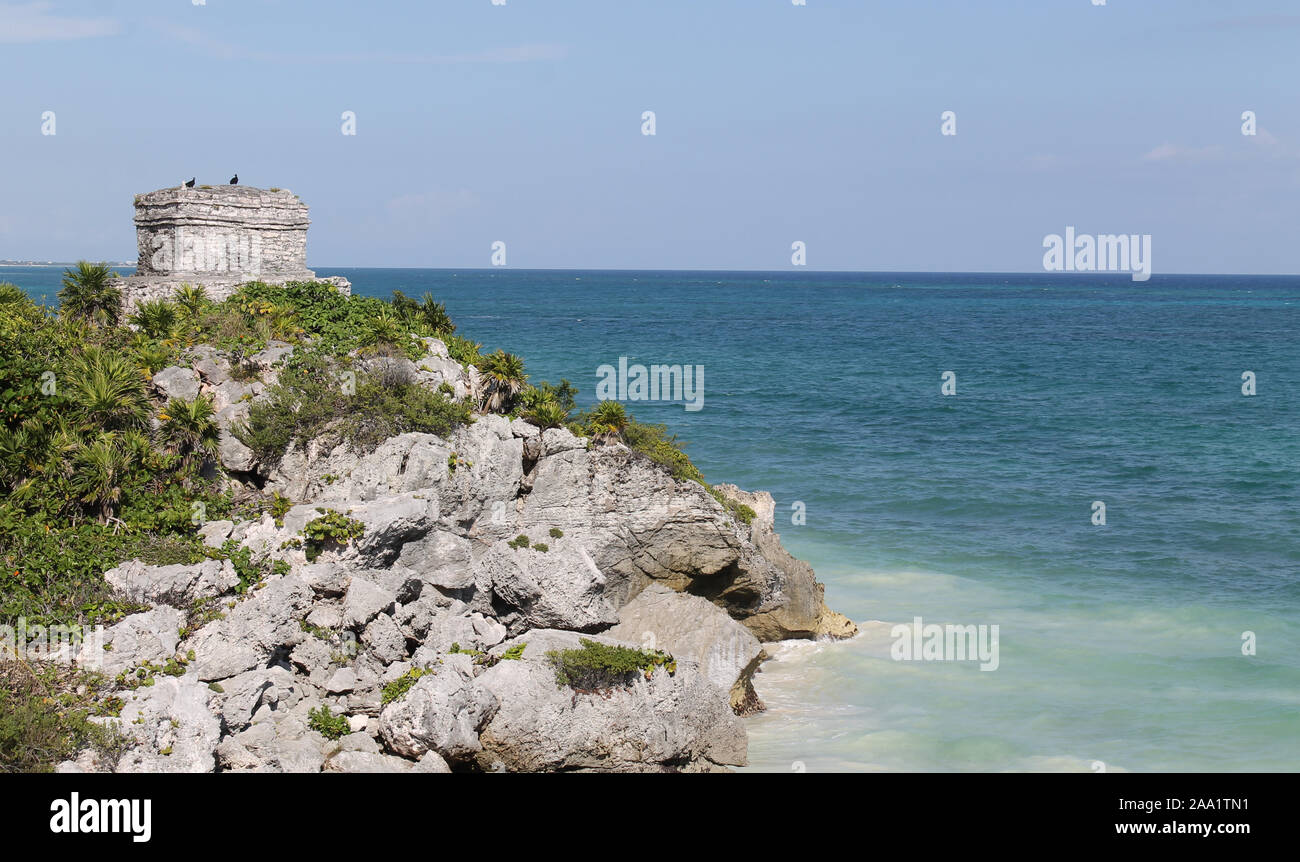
45, 716
463, 350
157, 318
607, 421
327, 724
520, 541
308, 400
330, 529
557, 533
599, 667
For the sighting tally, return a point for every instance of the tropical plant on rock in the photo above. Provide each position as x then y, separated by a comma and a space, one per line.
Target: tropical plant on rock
106, 391
607, 421
505, 378
189, 430
89, 294
156, 318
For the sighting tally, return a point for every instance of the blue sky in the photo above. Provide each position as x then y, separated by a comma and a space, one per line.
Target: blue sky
775, 123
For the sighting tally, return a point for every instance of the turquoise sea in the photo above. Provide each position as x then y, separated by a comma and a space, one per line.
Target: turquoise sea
1121, 646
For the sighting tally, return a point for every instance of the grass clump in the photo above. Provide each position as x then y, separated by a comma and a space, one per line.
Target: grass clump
599, 667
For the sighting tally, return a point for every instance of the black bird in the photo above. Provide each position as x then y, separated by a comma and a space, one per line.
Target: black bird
234, 181
190, 184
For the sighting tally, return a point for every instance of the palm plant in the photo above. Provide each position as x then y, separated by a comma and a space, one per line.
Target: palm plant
12, 293
607, 421
192, 299
153, 356
189, 429
157, 318
99, 472
505, 381
107, 391
89, 294
547, 413
385, 327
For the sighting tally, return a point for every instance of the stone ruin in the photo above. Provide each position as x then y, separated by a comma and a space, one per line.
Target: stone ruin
219, 237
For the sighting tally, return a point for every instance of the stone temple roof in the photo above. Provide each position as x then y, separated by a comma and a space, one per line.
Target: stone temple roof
220, 206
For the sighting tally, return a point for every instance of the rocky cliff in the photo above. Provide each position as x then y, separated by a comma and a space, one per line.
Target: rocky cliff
425, 635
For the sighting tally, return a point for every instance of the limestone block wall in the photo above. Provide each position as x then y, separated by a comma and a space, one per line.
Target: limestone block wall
221, 230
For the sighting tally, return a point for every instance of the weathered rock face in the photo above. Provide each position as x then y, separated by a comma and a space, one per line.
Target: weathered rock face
693, 628
670, 721
425, 639
219, 237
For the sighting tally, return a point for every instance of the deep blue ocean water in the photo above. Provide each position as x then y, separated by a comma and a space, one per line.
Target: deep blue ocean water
1119, 644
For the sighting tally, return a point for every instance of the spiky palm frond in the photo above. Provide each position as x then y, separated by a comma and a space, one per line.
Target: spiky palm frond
107, 391
607, 421
89, 294
505, 380
189, 429
157, 318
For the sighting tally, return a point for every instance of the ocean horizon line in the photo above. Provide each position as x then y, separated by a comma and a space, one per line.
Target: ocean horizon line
1063, 276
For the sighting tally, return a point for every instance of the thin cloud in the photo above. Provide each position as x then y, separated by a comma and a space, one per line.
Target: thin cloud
1172, 153
196, 38
37, 22
1257, 22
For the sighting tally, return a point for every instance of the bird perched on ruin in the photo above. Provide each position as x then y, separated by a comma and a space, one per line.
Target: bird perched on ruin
234, 181
190, 184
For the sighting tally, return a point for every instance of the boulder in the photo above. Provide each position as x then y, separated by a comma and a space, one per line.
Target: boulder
287, 745
176, 585
364, 601
175, 381
146, 637
442, 712
677, 721
266, 690
695, 629
557, 588
171, 726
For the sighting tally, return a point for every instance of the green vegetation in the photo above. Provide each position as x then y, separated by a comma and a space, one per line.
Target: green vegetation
311, 397
89, 295
506, 381
514, 653
397, 689
327, 724
557, 533
331, 529
600, 667
520, 541
251, 574
543, 548
45, 712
